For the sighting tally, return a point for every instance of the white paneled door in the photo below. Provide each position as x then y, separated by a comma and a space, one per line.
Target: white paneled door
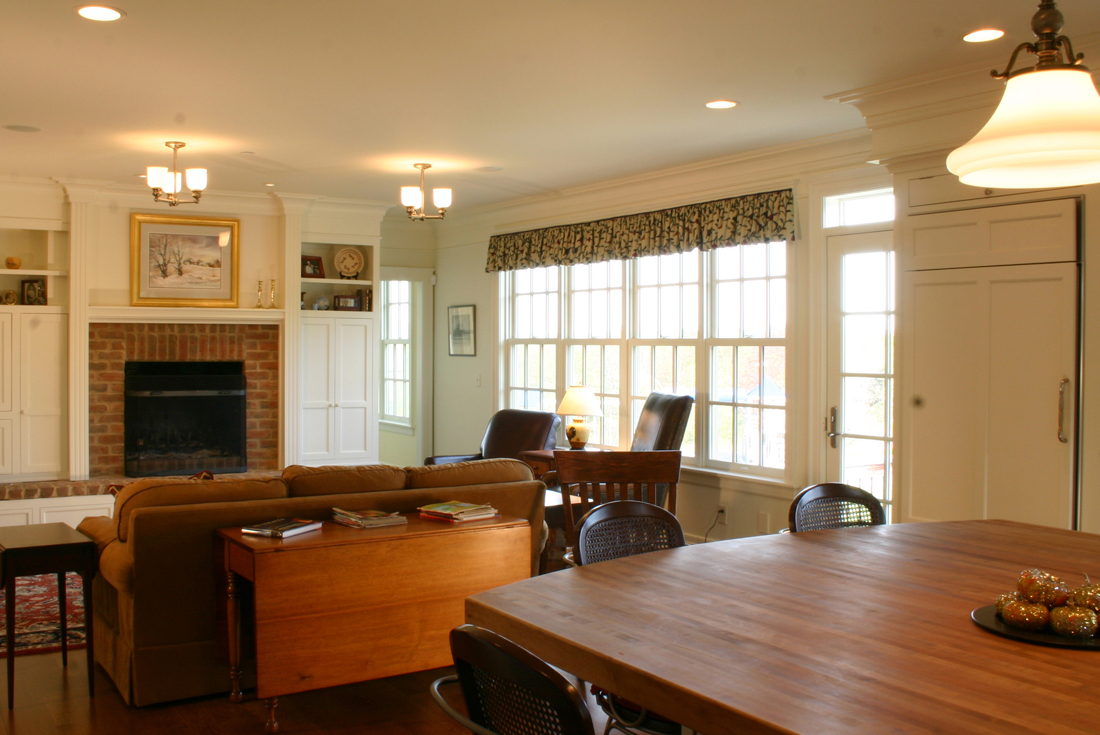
354, 380
44, 401
860, 354
318, 349
990, 360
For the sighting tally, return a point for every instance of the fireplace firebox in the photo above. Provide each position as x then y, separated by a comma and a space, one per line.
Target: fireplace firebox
184, 417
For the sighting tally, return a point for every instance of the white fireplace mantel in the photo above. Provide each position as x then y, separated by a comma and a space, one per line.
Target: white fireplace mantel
182, 315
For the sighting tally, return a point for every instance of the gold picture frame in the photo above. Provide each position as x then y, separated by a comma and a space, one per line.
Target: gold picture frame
179, 260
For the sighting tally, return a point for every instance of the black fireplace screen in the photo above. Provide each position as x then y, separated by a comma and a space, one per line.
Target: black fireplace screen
184, 417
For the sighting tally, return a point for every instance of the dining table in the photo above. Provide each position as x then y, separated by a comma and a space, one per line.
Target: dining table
864, 630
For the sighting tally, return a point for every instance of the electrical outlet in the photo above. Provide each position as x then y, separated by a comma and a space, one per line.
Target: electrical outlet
763, 523
722, 515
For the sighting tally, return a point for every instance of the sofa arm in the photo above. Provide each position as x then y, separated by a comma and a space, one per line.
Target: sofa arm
452, 458
100, 529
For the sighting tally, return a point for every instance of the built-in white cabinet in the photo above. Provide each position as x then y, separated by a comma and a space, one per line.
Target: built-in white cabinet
34, 418
989, 359
339, 417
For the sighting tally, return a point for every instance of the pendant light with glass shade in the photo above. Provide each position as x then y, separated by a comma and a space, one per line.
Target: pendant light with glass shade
167, 184
413, 198
1046, 130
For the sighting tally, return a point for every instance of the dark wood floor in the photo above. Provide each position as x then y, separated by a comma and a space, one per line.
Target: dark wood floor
52, 700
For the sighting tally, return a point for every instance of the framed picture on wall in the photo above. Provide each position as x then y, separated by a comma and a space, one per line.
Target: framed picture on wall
176, 260
460, 324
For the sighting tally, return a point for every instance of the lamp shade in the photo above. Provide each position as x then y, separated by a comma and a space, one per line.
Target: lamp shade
196, 179
1045, 133
412, 196
155, 176
580, 400
441, 198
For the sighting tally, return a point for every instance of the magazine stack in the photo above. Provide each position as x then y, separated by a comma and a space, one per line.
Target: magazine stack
456, 512
367, 518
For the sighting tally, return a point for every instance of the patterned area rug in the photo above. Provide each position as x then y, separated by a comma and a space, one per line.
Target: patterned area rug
37, 623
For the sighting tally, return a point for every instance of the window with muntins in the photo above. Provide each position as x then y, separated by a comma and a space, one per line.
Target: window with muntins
397, 352
712, 325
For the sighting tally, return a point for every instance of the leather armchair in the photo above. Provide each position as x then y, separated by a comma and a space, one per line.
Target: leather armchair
662, 423
510, 432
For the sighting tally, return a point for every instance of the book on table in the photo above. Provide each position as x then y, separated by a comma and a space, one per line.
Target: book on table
282, 527
458, 512
367, 518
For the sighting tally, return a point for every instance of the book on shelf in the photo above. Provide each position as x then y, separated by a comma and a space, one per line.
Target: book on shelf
282, 527
367, 518
458, 512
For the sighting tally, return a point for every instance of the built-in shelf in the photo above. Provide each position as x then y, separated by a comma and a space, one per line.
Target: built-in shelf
316, 313
30, 272
336, 281
182, 315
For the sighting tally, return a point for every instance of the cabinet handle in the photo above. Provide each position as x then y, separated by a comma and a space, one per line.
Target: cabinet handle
1062, 410
832, 428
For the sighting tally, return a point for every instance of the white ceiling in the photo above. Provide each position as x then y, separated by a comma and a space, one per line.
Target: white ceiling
339, 98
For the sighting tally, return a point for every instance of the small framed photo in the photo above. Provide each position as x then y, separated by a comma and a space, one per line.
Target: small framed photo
344, 302
34, 292
178, 260
460, 325
312, 267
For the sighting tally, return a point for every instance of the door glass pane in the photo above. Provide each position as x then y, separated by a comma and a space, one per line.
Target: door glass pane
865, 465
864, 282
864, 343
865, 406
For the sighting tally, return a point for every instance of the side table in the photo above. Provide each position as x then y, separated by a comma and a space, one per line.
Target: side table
47, 548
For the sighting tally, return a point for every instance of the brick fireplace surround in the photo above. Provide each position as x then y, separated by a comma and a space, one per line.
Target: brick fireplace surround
112, 345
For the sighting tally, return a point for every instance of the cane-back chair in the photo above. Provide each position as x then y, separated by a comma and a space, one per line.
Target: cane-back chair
510, 691
834, 505
625, 528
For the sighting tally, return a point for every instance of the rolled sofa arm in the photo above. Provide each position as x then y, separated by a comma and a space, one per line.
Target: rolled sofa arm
100, 529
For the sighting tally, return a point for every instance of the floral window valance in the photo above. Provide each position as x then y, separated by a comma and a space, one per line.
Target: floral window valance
741, 220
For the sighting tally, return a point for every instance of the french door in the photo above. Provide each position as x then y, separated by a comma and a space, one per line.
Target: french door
860, 363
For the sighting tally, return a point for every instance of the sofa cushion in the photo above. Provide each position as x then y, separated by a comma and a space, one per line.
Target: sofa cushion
340, 480
480, 472
154, 491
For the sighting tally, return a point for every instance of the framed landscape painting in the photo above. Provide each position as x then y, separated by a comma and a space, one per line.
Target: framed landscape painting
176, 260
462, 337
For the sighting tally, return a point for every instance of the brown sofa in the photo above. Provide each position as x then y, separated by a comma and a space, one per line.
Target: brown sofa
157, 596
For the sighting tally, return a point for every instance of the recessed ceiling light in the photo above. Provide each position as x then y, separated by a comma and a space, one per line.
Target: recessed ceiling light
269, 184
247, 153
983, 35
22, 129
99, 12
721, 104
489, 169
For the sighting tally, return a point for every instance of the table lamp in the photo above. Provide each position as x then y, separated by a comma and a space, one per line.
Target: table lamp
579, 401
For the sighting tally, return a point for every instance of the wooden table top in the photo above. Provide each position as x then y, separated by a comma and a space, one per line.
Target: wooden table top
333, 534
861, 631
37, 535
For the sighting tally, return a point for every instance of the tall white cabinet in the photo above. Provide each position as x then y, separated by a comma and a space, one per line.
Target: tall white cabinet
339, 357
990, 363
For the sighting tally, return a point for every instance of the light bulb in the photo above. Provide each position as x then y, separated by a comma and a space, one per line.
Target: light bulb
441, 198
196, 179
411, 196
155, 176
171, 184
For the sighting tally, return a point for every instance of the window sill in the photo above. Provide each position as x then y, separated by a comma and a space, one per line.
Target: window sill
392, 427
725, 480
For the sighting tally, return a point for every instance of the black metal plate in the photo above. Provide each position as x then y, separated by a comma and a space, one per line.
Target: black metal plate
986, 617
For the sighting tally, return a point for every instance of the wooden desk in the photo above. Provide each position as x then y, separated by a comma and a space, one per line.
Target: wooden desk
48, 548
342, 605
825, 632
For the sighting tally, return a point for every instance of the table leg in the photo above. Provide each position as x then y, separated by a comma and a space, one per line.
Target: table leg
271, 725
9, 599
89, 628
61, 604
233, 624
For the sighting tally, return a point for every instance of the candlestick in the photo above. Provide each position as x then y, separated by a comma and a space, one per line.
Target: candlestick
259, 295
271, 304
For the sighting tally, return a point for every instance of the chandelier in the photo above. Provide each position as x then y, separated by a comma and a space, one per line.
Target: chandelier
413, 198
1046, 130
167, 184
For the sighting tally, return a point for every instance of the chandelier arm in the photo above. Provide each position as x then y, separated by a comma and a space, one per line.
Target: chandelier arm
1071, 59
1025, 46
